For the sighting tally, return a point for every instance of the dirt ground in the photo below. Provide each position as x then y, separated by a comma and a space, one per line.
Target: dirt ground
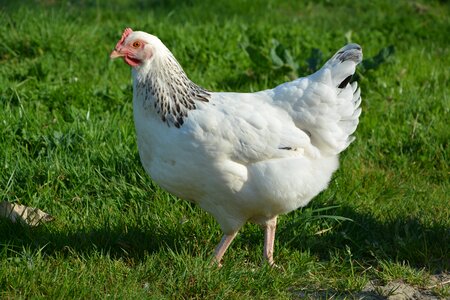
395, 290
398, 290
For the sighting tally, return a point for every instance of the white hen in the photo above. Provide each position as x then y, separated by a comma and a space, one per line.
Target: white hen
240, 156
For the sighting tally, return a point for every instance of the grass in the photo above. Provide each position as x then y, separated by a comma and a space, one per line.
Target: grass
68, 147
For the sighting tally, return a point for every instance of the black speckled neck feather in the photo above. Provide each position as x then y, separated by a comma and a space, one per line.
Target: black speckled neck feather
169, 91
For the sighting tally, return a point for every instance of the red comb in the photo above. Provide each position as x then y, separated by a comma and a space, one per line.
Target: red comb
125, 34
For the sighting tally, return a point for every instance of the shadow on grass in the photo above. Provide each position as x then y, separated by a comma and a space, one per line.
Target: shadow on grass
369, 240
402, 240
120, 241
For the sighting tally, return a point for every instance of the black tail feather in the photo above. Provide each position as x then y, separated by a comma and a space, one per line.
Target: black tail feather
345, 82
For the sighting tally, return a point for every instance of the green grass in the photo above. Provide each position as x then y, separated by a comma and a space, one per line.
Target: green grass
67, 146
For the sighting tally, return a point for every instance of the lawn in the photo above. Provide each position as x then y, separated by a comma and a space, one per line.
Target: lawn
67, 146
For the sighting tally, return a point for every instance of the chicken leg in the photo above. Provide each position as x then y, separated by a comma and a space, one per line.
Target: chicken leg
223, 246
269, 240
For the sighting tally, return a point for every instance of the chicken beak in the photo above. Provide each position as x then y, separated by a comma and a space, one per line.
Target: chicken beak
116, 54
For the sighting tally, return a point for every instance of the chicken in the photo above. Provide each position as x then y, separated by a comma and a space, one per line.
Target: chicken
240, 156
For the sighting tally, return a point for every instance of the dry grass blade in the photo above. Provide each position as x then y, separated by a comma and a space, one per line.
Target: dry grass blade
28, 215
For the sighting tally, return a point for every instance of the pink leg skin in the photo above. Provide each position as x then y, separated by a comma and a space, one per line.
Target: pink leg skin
269, 240
222, 247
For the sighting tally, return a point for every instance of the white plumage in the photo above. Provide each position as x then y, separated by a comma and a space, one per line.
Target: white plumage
240, 156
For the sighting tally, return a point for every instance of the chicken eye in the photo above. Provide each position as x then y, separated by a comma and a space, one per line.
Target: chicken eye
136, 44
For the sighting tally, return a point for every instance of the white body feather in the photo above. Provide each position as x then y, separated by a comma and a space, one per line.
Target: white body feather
251, 156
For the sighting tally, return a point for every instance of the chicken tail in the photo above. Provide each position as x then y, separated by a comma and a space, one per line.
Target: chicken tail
341, 99
325, 104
